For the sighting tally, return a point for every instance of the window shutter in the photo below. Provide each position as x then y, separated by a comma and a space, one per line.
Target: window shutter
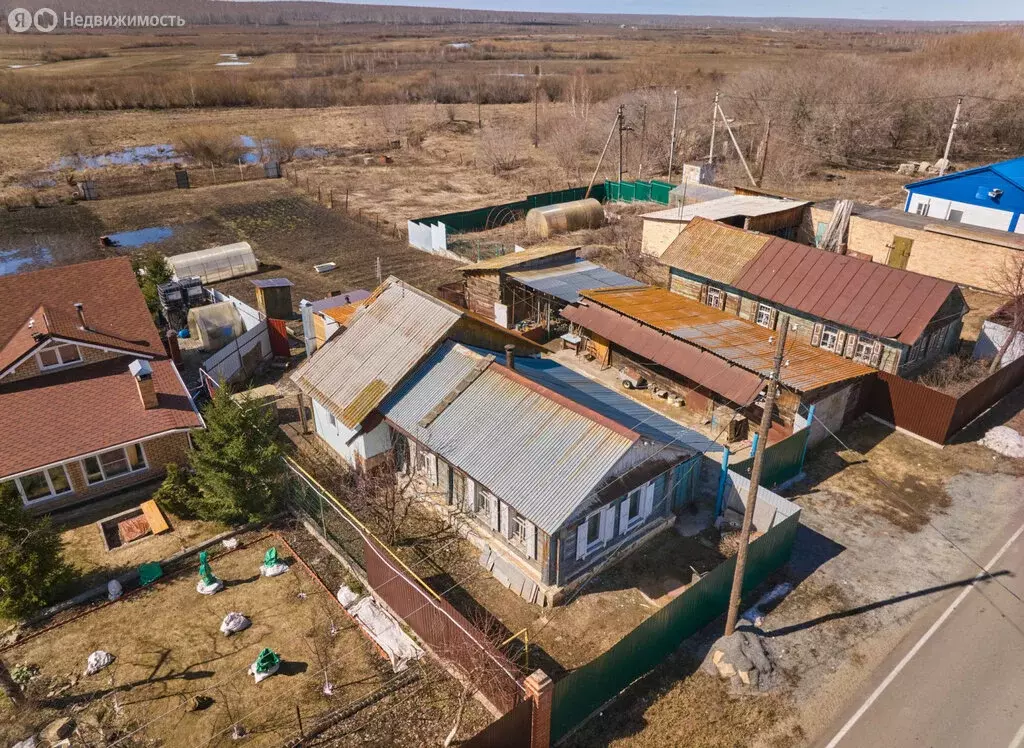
432, 469
876, 353
470, 495
623, 514
607, 522
773, 318
531, 539
647, 502
581, 541
704, 293
851, 346
816, 333
840, 342
492, 510
506, 527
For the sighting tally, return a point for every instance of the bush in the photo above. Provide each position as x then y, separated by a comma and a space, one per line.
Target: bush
177, 493
238, 472
209, 145
32, 565
151, 269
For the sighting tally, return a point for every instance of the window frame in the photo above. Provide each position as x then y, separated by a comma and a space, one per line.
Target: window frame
599, 541
719, 295
634, 521
922, 208
516, 527
827, 330
45, 472
143, 466
768, 315
865, 359
61, 363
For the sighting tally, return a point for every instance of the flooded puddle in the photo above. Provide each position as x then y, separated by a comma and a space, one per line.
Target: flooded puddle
139, 154
134, 239
16, 260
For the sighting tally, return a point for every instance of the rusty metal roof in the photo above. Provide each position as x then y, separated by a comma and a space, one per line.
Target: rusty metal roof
866, 296
396, 329
713, 250
533, 446
731, 347
514, 259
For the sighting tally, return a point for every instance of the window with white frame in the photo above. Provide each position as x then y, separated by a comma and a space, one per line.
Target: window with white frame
44, 484
829, 336
593, 536
107, 465
632, 516
59, 355
764, 315
865, 347
714, 297
922, 209
517, 527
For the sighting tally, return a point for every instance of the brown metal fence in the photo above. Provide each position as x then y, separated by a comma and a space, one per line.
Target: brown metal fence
511, 731
932, 414
443, 629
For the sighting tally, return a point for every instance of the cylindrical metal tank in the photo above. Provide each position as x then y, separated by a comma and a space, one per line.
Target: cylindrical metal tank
563, 217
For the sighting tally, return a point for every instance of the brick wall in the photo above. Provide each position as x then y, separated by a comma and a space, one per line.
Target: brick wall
964, 261
30, 367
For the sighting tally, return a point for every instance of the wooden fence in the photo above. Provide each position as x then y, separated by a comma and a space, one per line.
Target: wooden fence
935, 415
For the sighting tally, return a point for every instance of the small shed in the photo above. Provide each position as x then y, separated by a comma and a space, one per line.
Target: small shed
274, 297
215, 325
216, 263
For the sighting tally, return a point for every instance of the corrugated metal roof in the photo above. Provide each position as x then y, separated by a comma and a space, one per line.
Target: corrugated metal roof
727, 337
527, 445
272, 283
341, 299
713, 250
385, 340
511, 259
566, 281
695, 192
877, 299
726, 207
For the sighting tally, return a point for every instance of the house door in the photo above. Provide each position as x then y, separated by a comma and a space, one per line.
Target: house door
899, 252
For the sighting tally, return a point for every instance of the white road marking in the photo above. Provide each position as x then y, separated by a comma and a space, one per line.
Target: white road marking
1018, 739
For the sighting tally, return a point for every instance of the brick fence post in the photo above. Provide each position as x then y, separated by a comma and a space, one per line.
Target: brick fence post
541, 690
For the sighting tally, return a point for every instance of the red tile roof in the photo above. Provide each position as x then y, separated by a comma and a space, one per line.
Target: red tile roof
877, 299
79, 410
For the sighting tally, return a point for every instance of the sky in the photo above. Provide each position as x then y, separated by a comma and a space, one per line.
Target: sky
933, 10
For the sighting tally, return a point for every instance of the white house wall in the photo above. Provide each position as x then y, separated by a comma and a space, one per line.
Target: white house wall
992, 336
974, 215
365, 445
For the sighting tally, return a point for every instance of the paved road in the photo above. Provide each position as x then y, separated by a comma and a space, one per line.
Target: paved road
957, 680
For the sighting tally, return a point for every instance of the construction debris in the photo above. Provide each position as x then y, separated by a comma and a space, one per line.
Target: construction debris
742, 659
97, 661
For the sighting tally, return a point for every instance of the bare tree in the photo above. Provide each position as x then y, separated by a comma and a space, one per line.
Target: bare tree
1009, 281
502, 148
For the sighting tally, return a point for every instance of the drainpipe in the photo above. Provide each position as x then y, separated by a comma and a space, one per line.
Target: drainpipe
719, 499
510, 356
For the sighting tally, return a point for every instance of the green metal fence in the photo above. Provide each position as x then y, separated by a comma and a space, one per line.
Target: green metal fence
587, 689
783, 460
493, 216
654, 191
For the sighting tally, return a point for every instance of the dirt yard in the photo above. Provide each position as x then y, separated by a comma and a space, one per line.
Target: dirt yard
170, 655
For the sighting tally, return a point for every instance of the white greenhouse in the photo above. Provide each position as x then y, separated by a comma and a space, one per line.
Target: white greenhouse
215, 325
216, 263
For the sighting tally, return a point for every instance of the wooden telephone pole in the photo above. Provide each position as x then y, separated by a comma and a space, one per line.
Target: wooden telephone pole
620, 118
616, 123
672, 141
755, 478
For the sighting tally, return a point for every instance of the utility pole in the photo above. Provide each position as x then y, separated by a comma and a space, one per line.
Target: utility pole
672, 141
755, 477
714, 121
736, 145
949, 140
643, 140
621, 108
618, 118
764, 152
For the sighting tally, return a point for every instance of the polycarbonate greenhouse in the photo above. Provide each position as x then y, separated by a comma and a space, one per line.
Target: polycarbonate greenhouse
215, 325
216, 263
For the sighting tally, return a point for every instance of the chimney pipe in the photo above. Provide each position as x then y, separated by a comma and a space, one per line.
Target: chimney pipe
510, 356
143, 373
80, 308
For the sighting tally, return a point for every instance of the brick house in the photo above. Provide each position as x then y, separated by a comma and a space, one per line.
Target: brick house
886, 317
549, 473
90, 403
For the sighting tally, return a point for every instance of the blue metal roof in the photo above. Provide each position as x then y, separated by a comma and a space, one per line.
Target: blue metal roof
1012, 171
272, 283
566, 281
